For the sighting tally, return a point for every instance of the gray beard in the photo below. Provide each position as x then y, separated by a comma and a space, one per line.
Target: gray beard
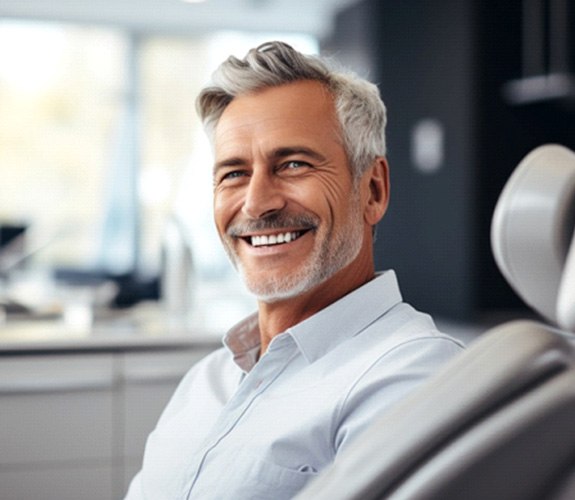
335, 253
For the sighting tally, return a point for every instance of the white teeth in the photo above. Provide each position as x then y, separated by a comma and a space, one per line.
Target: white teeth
274, 239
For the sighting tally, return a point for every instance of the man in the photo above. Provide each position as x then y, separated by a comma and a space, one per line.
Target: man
300, 181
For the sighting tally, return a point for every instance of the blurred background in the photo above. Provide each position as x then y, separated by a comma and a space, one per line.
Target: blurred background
111, 274
101, 150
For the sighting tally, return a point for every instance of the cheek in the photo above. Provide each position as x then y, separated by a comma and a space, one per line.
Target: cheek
335, 198
223, 211
226, 202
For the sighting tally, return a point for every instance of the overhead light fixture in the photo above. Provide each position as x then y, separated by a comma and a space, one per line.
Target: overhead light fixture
193, 1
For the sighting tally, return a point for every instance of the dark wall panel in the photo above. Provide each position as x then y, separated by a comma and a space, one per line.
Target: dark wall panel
447, 61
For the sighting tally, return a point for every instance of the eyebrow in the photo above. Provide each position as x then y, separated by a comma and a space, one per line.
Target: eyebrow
282, 152
276, 154
235, 161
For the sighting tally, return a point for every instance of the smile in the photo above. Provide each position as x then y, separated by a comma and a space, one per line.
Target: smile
274, 239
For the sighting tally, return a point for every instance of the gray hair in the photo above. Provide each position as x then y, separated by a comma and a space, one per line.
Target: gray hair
359, 108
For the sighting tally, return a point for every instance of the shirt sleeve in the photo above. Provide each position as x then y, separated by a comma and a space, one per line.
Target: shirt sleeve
135, 489
388, 380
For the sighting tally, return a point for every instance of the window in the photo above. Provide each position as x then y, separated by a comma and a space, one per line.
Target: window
60, 102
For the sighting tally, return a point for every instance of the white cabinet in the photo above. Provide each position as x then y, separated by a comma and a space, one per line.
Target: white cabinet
73, 426
56, 426
57, 482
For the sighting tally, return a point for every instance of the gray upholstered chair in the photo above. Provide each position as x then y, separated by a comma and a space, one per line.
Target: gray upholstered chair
498, 422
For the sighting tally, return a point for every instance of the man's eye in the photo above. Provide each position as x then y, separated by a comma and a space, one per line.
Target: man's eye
234, 174
294, 164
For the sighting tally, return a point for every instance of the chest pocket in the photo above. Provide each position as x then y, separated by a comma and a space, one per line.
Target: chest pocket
242, 476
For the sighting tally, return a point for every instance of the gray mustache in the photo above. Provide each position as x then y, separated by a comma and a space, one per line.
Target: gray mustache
276, 220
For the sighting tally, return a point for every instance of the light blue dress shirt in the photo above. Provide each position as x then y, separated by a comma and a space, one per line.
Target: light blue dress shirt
240, 429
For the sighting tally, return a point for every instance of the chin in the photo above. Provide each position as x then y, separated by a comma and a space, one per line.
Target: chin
275, 291
270, 290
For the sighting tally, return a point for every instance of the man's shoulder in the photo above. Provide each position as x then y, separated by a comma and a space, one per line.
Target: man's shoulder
404, 325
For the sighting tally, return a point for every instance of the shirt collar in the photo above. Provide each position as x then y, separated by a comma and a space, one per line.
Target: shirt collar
243, 340
326, 329
346, 317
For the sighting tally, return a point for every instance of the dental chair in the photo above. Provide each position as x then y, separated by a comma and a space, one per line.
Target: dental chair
498, 422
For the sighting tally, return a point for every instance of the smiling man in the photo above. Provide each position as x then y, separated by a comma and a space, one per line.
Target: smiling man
300, 181
292, 217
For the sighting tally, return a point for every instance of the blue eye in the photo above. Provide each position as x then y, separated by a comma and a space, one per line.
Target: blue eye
234, 174
295, 164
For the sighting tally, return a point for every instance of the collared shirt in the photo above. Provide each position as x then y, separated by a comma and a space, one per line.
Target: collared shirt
241, 428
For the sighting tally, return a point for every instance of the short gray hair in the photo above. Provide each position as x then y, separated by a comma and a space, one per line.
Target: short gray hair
359, 108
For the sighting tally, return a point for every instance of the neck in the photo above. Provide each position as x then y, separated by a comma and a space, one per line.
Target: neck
277, 317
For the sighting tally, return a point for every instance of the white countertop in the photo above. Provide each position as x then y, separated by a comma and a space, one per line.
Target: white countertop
136, 329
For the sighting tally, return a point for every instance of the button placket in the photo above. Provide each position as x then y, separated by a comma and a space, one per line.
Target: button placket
268, 369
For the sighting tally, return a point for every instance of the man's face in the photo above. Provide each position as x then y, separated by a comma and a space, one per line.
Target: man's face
285, 204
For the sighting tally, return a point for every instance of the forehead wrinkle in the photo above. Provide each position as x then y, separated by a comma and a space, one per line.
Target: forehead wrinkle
238, 132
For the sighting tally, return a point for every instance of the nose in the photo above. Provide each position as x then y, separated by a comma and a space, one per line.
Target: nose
263, 196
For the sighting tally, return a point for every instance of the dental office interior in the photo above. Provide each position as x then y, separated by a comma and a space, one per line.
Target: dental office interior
112, 279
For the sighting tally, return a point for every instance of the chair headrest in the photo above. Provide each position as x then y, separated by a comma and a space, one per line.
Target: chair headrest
532, 233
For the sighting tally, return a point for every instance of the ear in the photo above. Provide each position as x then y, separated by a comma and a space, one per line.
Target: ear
376, 181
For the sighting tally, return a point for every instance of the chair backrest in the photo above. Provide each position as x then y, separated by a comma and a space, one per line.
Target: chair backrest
497, 421
532, 231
